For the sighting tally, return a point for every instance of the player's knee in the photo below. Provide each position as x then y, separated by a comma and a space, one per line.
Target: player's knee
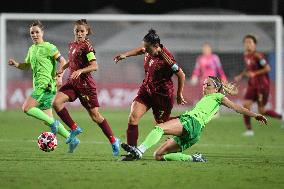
133, 119
56, 104
96, 117
25, 108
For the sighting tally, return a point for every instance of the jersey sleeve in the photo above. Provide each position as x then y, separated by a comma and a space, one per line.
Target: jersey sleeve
219, 97
54, 52
90, 51
261, 59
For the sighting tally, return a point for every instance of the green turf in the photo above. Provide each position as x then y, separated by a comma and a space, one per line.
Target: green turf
233, 161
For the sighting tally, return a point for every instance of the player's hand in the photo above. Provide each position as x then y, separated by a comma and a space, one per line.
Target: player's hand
251, 74
180, 100
261, 119
13, 63
238, 78
76, 74
119, 57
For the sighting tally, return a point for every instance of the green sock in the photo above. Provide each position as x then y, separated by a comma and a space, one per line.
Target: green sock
177, 157
153, 138
62, 131
39, 114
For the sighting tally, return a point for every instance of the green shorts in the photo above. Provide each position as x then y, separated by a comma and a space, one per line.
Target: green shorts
44, 98
193, 128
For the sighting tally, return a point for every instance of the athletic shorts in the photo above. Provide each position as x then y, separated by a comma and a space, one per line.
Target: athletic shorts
86, 93
193, 132
44, 98
257, 95
161, 105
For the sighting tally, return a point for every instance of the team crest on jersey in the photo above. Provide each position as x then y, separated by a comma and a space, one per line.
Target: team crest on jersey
151, 62
248, 61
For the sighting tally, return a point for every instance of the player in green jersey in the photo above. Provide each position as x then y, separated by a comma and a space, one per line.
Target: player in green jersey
187, 128
42, 58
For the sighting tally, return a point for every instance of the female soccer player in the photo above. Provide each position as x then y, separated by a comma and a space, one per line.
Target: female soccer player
82, 62
256, 70
188, 127
42, 58
157, 89
207, 64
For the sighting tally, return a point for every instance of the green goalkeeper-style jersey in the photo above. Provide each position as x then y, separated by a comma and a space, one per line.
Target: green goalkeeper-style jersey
206, 108
42, 58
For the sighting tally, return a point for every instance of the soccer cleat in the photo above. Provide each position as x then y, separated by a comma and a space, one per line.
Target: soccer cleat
248, 133
54, 127
128, 157
73, 134
115, 147
135, 152
198, 158
73, 145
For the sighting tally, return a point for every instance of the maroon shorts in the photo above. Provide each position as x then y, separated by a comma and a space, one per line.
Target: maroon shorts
86, 92
257, 95
161, 105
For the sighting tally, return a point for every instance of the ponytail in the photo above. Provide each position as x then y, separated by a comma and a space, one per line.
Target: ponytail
224, 87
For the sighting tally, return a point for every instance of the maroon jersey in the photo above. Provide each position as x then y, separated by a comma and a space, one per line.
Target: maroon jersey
158, 74
254, 62
78, 59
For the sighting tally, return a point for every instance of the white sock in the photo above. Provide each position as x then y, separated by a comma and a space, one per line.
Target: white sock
142, 148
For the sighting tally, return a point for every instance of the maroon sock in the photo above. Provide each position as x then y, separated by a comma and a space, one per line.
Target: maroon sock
247, 122
274, 114
65, 117
132, 134
107, 131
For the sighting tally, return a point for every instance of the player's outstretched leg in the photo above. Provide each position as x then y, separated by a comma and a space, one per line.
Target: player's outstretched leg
106, 129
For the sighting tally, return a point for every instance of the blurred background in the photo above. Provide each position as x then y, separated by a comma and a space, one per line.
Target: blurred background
118, 84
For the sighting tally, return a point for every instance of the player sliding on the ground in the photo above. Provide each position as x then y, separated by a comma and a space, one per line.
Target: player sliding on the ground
42, 57
256, 70
188, 127
82, 62
157, 89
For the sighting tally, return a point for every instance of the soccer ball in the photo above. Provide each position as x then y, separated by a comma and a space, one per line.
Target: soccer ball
47, 141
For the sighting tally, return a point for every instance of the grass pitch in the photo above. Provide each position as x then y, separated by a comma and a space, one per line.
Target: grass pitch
233, 161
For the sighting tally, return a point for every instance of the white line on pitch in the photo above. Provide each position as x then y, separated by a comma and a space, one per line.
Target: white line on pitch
201, 145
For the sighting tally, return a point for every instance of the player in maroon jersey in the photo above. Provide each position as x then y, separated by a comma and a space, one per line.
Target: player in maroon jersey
82, 62
157, 89
256, 70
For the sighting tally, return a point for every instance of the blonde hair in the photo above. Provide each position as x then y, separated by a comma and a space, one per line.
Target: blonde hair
224, 87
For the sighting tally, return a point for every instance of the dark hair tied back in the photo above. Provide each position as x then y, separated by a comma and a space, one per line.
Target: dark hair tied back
152, 37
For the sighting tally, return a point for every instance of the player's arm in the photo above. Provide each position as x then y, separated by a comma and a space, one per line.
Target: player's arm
133, 52
62, 66
240, 109
241, 75
265, 68
181, 79
178, 72
21, 66
196, 72
93, 66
